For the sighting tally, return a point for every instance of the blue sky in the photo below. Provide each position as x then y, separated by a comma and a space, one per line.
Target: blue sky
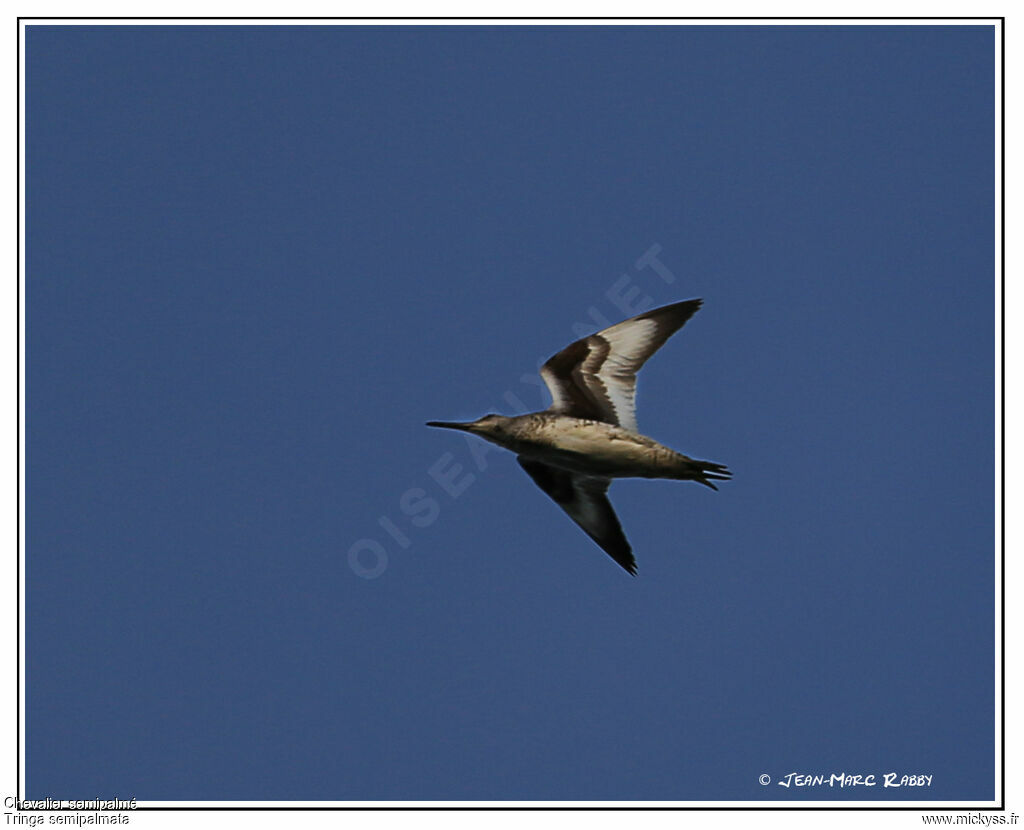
259, 258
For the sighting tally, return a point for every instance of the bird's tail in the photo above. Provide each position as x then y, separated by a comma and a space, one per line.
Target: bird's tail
704, 472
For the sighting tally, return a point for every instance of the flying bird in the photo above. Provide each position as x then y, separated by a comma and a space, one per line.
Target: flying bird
588, 436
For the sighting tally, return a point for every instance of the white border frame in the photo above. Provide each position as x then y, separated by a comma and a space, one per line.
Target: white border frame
800, 805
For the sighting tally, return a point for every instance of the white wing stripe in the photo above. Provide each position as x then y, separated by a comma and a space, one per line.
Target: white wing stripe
595, 377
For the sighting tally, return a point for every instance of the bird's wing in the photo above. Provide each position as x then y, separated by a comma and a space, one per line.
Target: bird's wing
595, 377
584, 499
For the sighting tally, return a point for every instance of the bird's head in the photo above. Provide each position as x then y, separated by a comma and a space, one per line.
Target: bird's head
486, 426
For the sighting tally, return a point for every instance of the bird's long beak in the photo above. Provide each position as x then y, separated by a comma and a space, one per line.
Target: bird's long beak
450, 425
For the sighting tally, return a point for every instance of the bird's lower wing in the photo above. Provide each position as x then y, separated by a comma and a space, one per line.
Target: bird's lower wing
584, 499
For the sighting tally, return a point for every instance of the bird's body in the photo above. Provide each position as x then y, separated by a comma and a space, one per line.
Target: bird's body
588, 435
590, 447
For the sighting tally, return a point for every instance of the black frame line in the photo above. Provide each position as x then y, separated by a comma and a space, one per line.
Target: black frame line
769, 805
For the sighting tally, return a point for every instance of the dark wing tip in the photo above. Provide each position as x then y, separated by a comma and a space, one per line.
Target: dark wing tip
681, 311
669, 319
621, 553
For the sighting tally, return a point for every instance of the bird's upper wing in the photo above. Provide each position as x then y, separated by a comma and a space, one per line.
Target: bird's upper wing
595, 377
584, 499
